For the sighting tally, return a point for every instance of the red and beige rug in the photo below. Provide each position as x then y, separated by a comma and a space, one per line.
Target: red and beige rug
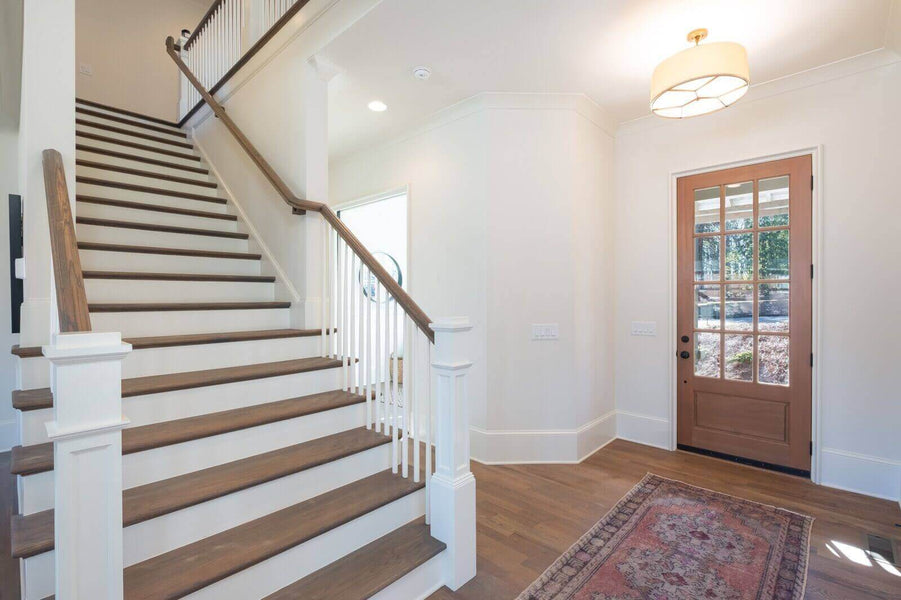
667, 540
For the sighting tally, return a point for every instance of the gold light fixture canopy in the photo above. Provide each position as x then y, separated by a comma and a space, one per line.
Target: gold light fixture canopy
700, 80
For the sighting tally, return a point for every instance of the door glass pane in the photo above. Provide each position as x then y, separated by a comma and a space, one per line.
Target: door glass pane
772, 307
773, 254
739, 355
773, 202
739, 256
707, 354
707, 258
739, 205
773, 359
740, 307
707, 210
707, 307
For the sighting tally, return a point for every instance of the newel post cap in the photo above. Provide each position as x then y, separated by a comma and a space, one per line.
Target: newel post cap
451, 324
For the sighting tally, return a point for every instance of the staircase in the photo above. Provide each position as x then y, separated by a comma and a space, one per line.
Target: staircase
250, 468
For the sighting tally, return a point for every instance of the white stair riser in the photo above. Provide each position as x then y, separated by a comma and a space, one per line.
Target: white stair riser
150, 538
158, 239
103, 260
145, 467
140, 468
139, 324
123, 290
33, 373
122, 116
141, 165
418, 584
116, 147
38, 576
157, 182
153, 408
127, 137
105, 191
283, 569
156, 217
275, 573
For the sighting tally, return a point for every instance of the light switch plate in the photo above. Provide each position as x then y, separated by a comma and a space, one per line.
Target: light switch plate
85, 69
648, 328
545, 331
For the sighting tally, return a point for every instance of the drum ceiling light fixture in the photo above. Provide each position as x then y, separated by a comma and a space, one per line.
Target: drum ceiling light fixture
700, 80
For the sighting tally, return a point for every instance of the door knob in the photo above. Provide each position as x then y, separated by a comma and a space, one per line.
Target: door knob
684, 354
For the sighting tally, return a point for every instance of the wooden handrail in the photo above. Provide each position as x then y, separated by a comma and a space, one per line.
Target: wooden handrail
300, 206
71, 301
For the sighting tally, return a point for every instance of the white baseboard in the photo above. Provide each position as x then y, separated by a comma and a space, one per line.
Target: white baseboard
861, 473
9, 435
643, 429
493, 447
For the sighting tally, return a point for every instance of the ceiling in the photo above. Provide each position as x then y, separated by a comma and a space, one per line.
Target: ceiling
606, 49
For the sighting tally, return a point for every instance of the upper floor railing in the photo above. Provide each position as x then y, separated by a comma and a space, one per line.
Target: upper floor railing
230, 33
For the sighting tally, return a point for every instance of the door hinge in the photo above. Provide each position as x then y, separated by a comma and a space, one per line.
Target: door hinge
811, 359
811, 448
811, 183
811, 271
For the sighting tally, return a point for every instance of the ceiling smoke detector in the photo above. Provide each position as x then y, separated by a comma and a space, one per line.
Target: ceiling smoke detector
422, 73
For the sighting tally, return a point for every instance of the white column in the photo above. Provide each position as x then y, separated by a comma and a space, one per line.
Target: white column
453, 487
47, 120
87, 451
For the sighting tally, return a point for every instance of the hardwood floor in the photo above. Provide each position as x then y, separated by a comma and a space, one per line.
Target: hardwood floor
530, 514
9, 566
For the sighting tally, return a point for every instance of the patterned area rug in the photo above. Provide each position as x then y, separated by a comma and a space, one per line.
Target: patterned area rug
667, 540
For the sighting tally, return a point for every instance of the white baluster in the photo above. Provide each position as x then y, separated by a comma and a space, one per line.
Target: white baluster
333, 292
416, 408
352, 290
378, 356
348, 351
386, 375
341, 325
428, 434
366, 355
323, 299
392, 383
405, 395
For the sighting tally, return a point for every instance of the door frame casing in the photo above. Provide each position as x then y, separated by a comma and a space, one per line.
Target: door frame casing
816, 153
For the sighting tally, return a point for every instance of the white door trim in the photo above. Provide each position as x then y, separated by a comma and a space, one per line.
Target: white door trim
817, 253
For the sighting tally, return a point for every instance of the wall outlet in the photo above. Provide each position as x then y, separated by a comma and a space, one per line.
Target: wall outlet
644, 328
85, 69
545, 331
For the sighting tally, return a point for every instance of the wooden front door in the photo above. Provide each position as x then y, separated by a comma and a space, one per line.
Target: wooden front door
744, 312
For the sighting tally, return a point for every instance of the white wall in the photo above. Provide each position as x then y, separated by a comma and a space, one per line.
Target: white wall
855, 119
510, 199
8, 185
124, 41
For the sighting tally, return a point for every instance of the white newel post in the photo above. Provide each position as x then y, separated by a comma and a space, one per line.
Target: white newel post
87, 453
453, 487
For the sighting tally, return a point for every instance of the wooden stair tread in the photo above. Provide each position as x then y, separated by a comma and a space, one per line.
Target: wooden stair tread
369, 570
98, 222
103, 138
33, 534
179, 306
171, 251
155, 207
123, 131
123, 111
80, 162
28, 460
22, 399
143, 159
132, 122
178, 276
149, 189
207, 561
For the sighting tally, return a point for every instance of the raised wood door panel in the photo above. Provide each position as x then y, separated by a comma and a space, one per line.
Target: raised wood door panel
744, 312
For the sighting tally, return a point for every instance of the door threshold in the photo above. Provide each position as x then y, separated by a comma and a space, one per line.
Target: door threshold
746, 461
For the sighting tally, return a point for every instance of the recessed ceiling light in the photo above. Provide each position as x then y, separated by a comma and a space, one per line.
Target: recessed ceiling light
378, 106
